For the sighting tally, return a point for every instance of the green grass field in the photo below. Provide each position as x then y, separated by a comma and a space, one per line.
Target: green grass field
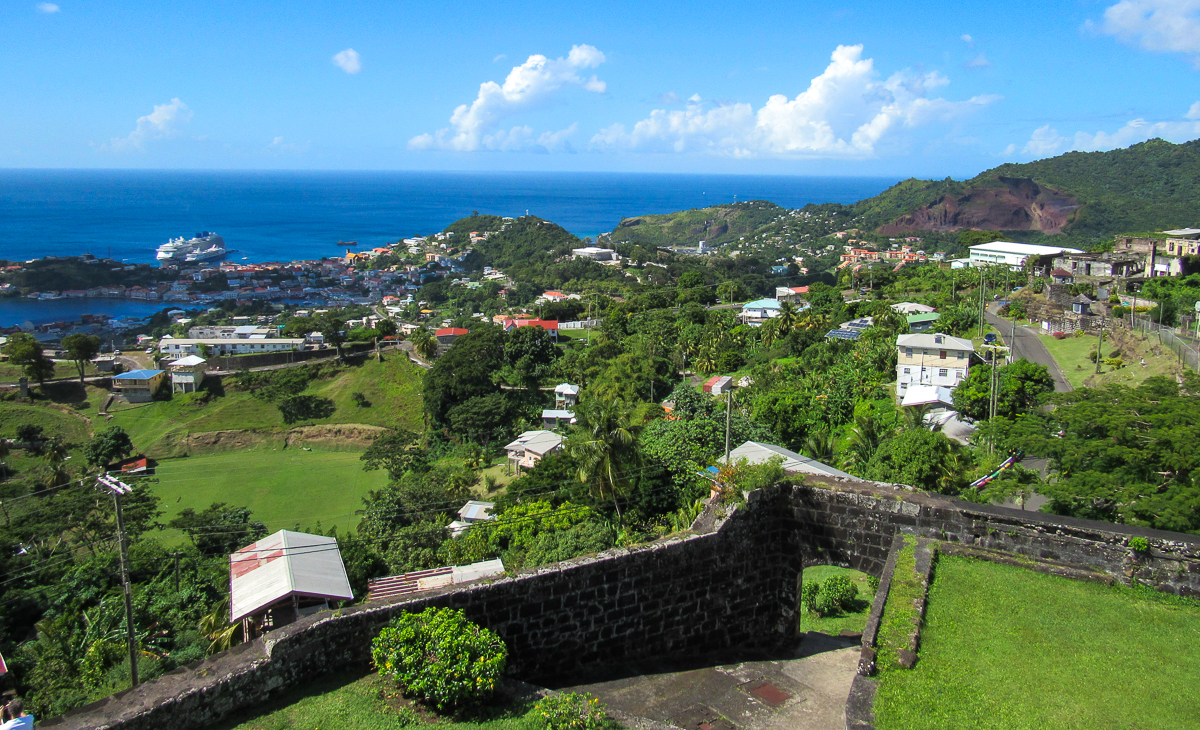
282, 488
350, 700
849, 621
1005, 647
1071, 354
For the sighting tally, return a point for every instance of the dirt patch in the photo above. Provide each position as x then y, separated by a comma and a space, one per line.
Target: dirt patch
213, 441
1014, 204
335, 434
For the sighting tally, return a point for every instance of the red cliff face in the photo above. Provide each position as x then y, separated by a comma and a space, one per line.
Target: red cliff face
1018, 204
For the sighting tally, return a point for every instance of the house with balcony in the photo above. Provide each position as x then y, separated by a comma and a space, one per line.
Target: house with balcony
931, 359
138, 386
531, 447
566, 395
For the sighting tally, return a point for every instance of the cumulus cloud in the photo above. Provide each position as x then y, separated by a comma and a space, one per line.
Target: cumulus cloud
1169, 26
1046, 141
845, 112
979, 61
47, 8
348, 61
474, 126
966, 38
163, 123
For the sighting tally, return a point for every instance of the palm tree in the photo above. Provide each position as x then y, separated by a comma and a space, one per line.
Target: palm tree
218, 629
706, 359
822, 446
769, 333
424, 343
604, 442
788, 317
913, 417
865, 438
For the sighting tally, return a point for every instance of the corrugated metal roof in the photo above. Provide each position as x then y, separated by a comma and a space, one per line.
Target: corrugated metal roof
137, 375
474, 510
284, 564
760, 453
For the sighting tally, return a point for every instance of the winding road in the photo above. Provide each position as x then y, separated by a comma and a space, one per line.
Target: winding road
1025, 343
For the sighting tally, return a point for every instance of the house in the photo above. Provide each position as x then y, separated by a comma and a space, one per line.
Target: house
426, 580
565, 395
315, 338
554, 296
550, 325
1082, 304
907, 308
718, 384
187, 374
931, 359
1062, 276
937, 397
922, 322
282, 577
138, 386
755, 452
447, 335
133, 465
551, 417
793, 294
1012, 255
471, 513
594, 253
531, 447
760, 310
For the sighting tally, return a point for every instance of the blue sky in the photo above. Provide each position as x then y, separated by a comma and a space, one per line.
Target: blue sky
810, 88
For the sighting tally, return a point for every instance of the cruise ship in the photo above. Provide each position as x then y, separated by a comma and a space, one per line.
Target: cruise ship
204, 246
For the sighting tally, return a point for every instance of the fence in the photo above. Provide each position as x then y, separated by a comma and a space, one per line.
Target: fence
1186, 349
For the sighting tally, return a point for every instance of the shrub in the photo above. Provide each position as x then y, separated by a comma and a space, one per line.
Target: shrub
836, 594
1058, 335
1139, 544
1115, 363
571, 711
360, 400
873, 582
808, 595
441, 657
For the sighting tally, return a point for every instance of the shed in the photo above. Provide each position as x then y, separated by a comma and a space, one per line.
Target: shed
718, 384
283, 576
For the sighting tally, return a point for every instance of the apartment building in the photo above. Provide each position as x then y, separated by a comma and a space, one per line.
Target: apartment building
931, 359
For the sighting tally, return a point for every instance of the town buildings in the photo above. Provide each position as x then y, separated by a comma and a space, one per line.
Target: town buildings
1012, 255
220, 347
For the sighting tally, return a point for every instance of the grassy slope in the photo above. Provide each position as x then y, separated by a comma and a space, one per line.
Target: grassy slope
686, 227
283, 488
852, 621
1005, 647
393, 388
1071, 354
354, 702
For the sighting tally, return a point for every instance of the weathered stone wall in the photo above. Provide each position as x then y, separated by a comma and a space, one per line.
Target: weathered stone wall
732, 583
686, 595
853, 523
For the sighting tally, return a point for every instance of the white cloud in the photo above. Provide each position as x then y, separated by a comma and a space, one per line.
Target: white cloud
845, 112
1046, 141
670, 98
979, 61
966, 38
1171, 26
500, 58
279, 145
163, 123
470, 126
47, 8
348, 61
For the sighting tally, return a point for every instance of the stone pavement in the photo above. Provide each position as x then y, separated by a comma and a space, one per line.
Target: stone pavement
797, 690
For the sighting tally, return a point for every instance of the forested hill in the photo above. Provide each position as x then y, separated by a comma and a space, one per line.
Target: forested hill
1149, 186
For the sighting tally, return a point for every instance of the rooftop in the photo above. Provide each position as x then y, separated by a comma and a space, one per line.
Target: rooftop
1026, 249
756, 452
934, 340
285, 564
137, 375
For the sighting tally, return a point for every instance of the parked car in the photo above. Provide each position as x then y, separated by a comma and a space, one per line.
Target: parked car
149, 350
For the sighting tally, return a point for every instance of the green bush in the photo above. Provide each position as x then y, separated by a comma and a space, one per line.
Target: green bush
808, 595
441, 657
836, 594
571, 711
873, 582
1139, 544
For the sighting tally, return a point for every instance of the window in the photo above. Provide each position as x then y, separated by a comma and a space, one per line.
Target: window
961, 354
908, 352
943, 372
907, 371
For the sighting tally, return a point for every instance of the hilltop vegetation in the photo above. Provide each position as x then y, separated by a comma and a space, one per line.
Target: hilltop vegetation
1148, 186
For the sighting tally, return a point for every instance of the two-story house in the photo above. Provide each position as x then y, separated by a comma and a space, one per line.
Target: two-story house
931, 359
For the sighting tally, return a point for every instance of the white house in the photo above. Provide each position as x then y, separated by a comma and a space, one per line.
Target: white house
566, 395
594, 253
531, 446
284, 576
760, 310
907, 308
931, 359
187, 374
181, 347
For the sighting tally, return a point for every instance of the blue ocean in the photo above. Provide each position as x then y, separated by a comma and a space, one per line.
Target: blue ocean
273, 216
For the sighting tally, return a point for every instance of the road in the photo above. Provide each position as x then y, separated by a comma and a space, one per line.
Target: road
1025, 343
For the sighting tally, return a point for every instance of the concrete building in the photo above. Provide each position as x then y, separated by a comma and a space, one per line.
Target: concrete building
187, 374
759, 311
531, 447
218, 347
907, 308
594, 253
138, 386
566, 395
931, 359
718, 384
1012, 255
922, 322
793, 294
552, 417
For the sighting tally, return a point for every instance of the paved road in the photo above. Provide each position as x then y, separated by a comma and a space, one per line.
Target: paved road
1026, 344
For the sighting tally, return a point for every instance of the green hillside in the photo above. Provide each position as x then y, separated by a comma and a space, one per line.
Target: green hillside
715, 225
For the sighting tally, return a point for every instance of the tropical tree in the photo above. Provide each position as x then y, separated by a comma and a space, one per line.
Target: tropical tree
868, 434
788, 317
107, 447
604, 442
822, 446
80, 349
26, 353
424, 343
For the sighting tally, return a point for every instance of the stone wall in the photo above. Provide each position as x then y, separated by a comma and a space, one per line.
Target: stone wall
732, 582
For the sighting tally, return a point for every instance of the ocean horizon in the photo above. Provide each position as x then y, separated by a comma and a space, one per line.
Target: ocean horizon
288, 215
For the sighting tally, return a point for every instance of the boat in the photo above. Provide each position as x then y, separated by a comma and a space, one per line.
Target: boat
179, 249
211, 253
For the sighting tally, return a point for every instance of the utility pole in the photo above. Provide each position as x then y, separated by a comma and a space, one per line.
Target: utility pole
728, 419
982, 303
119, 489
1099, 350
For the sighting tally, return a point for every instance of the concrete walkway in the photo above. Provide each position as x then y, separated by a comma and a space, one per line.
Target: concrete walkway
802, 689
1026, 344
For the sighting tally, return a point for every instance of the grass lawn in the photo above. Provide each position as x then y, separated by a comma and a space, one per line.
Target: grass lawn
75, 429
350, 700
1071, 354
851, 620
1005, 647
282, 488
